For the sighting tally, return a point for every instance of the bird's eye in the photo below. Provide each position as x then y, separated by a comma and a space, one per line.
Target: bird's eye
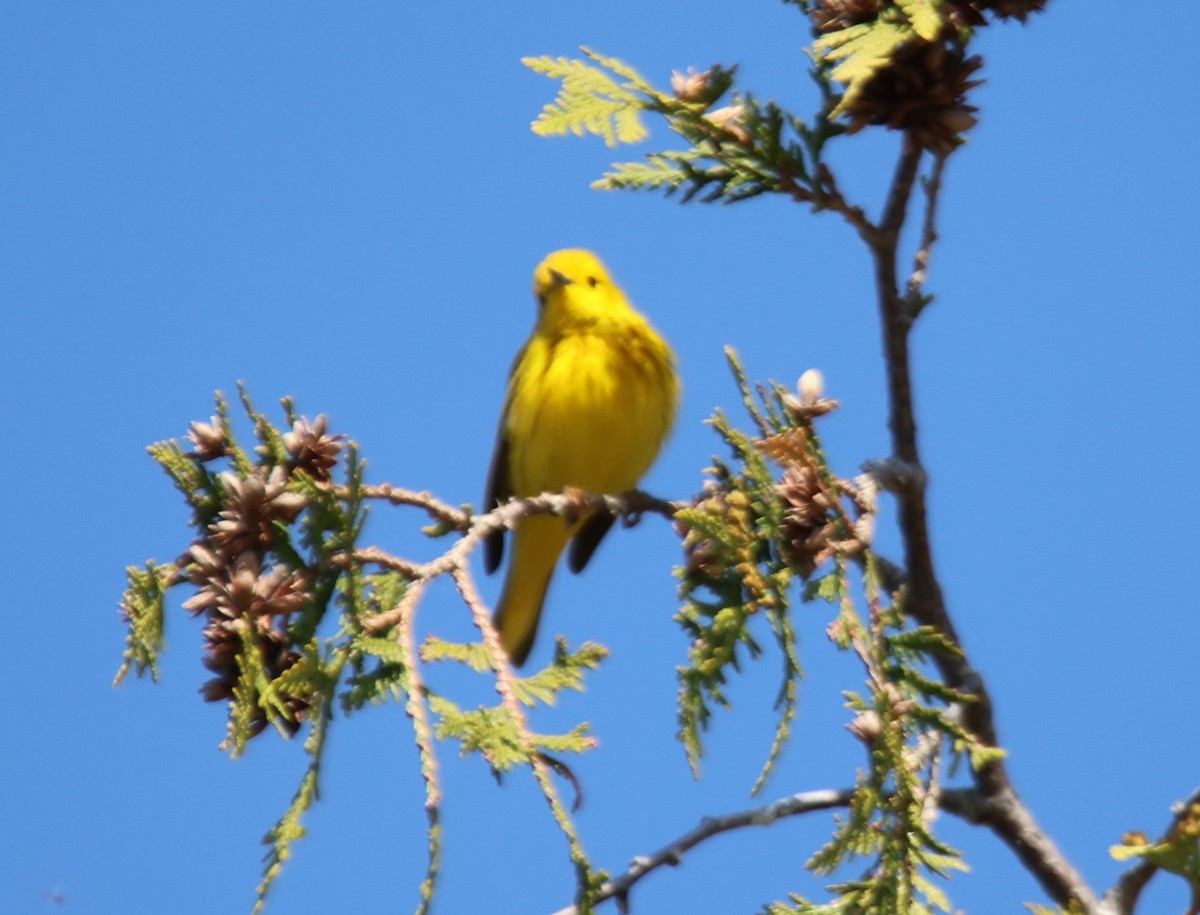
593, 282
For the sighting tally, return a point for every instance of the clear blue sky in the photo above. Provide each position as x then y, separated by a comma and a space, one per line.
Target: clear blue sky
343, 202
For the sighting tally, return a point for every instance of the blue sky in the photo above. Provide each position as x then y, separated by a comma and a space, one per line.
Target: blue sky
343, 202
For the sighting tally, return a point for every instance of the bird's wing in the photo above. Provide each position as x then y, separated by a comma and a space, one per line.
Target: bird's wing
498, 490
499, 483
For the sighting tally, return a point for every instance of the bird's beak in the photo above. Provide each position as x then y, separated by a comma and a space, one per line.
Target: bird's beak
557, 279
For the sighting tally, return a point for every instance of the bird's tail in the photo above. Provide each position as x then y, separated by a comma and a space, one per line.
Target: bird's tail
537, 544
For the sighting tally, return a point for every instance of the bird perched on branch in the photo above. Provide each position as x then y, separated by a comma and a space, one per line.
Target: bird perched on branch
591, 397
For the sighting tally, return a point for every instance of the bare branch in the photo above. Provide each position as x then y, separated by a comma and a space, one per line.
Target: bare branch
923, 599
672, 854
1003, 812
999, 806
895, 209
968, 804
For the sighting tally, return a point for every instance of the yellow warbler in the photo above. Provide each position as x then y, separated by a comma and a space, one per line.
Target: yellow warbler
591, 397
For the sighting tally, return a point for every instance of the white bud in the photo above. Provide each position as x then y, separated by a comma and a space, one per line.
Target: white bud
811, 386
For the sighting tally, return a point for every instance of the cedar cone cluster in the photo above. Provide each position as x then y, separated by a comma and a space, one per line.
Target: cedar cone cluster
970, 13
242, 601
809, 532
208, 439
813, 528
698, 87
250, 510
923, 88
727, 124
312, 448
923, 92
247, 599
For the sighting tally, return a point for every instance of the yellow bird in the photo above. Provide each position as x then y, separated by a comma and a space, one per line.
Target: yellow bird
591, 397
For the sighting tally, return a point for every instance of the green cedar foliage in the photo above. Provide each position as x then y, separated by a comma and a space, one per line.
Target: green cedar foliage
772, 522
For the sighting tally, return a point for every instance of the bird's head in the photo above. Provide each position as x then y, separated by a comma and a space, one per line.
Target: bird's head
573, 287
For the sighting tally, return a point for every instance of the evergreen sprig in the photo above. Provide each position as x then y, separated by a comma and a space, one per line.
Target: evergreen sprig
591, 100
142, 608
293, 612
775, 514
770, 516
289, 828
902, 65
903, 719
491, 731
734, 153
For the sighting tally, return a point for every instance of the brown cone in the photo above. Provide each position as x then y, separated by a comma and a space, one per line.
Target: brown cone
923, 92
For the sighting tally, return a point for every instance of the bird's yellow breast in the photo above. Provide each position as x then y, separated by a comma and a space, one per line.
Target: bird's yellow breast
590, 409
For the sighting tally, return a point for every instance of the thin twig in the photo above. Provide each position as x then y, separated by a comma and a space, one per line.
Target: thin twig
416, 706
452, 517
373, 555
454, 562
627, 505
929, 234
830, 196
508, 698
823, 193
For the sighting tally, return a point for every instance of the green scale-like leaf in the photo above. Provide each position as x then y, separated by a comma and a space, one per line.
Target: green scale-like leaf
143, 606
591, 101
660, 171
859, 52
925, 15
